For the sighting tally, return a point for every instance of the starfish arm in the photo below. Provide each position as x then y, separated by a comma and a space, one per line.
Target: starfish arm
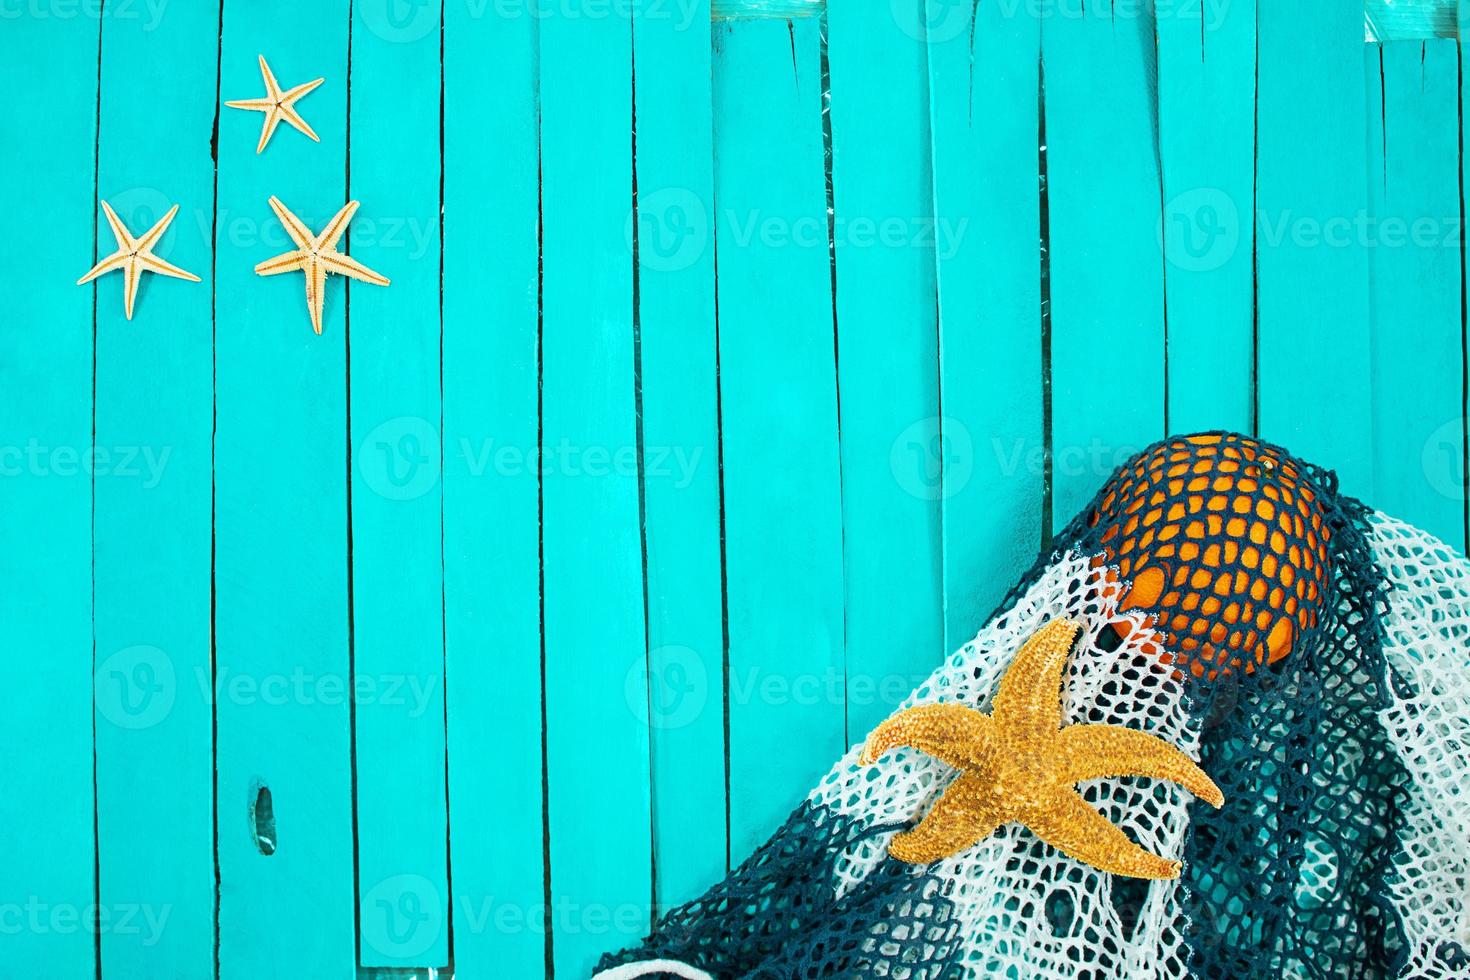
272, 119
293, 261
113, 261
292, 94
150, 237
1066, 822
332, 233
1099, 751
1029, 700
154, 264
300, 234
294, 118
348, 266
258, 105
316, 287
954, 734
119, 230
965, 815
272, 89
132, 276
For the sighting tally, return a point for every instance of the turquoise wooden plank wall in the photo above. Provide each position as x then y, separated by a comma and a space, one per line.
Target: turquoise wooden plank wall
729, 373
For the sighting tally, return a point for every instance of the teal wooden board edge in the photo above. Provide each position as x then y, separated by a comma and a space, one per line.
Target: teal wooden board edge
282, 564
779, 425
492, 502
731, 369
46, 607
1311, 261
394, 387
1415, 281
1107, 275
985, 460
887, 361
155, 752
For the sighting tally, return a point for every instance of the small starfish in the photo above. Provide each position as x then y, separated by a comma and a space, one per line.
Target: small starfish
135, 256
1019, 764
277, 105
316, 255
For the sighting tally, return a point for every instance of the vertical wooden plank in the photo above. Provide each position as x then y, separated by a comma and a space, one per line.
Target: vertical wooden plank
596, 724
492, 565
281, 561
1414, 262
888, 358
1207, 144
152, 521
783, 505
47, 880
1106, 270
985, 459
1313, 373
397, 572
674, 166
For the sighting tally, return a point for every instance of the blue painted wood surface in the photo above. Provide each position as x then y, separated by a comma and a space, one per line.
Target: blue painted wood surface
987, 459
46, 370
1107, 297
704, 475
1312, 355
1414, 196
778, 397
1207, 151
673, 228
887, 359
396, 500
492, 505
155, 395
282, 654
599, 808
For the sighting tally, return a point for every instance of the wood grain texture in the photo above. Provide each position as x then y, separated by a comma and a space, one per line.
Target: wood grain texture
986, 460
778, 392
1415, 279
492, 526
679, 388
1207, 132
1313, 365
281, 566
1107, 309
152, 519
46, 355
888, 359
396, 495
595, 634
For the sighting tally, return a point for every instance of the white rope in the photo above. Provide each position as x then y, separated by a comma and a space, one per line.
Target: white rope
649, 967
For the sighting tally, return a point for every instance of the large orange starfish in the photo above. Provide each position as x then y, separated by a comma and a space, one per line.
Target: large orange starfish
1019, 764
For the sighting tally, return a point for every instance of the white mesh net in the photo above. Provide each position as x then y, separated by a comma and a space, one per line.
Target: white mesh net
1427, 627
